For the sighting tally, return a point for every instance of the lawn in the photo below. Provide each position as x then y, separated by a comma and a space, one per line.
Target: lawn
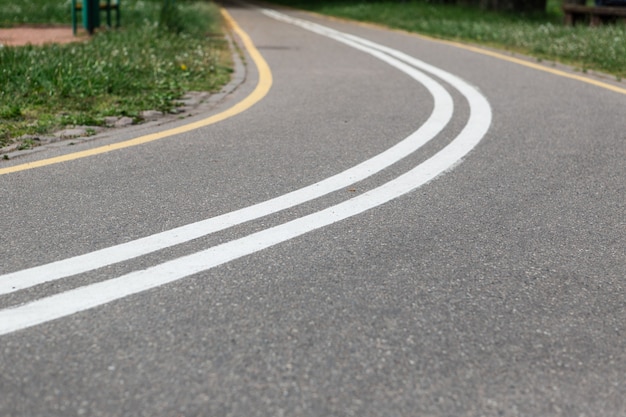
147, 64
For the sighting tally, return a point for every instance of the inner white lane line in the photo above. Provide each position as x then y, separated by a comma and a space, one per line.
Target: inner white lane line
439, 118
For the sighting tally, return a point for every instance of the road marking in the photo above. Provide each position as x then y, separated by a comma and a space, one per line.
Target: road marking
480, 50
262, 88
439, 118
538, 67
86, 297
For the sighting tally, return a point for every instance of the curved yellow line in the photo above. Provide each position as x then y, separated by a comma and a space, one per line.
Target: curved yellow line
263, 86
537, 67
483, 51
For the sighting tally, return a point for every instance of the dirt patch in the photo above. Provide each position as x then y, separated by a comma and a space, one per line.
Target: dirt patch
24, 35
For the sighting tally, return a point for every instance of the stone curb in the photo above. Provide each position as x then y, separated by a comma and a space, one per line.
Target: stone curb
193, 103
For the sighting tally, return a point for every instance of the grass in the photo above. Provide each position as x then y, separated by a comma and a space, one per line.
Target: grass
156, 57
543, 36
148, 64
14, 13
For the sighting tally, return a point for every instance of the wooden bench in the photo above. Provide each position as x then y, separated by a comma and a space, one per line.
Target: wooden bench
106, 6
597, 15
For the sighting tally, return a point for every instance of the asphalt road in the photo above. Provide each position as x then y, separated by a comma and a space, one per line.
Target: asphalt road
396, 227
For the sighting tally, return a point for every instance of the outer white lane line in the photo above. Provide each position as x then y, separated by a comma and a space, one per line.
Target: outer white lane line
439, 118
83, 298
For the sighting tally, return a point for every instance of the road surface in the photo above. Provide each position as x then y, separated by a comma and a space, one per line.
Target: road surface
372, 224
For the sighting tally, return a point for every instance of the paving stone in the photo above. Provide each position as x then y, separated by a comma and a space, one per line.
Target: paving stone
123, 122
71, 133
110, 121
151, 115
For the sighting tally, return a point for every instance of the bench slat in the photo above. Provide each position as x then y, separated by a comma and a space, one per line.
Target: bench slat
597, 14
595, 10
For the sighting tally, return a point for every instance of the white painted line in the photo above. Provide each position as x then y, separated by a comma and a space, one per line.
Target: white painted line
83, 298
439, 118
90, 296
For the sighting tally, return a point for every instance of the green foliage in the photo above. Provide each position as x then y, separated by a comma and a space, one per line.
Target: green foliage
170, 18
34, 12
117, 73
11, 111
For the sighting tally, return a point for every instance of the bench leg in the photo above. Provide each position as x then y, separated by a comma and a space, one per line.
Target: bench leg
571, 18
596, 20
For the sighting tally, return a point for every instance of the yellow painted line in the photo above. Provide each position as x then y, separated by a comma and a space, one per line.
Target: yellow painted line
262, 88
538, 67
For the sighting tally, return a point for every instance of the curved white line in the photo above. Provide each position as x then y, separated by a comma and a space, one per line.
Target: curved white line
90, 296
439, 118
83, 298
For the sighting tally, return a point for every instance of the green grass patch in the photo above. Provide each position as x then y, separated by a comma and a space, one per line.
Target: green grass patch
543, 36
143, 65
14, 13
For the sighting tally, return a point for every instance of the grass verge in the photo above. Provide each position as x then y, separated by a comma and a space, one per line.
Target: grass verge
543, 36
148, 64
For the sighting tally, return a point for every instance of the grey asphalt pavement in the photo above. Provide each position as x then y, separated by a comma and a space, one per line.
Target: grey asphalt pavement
496, 289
